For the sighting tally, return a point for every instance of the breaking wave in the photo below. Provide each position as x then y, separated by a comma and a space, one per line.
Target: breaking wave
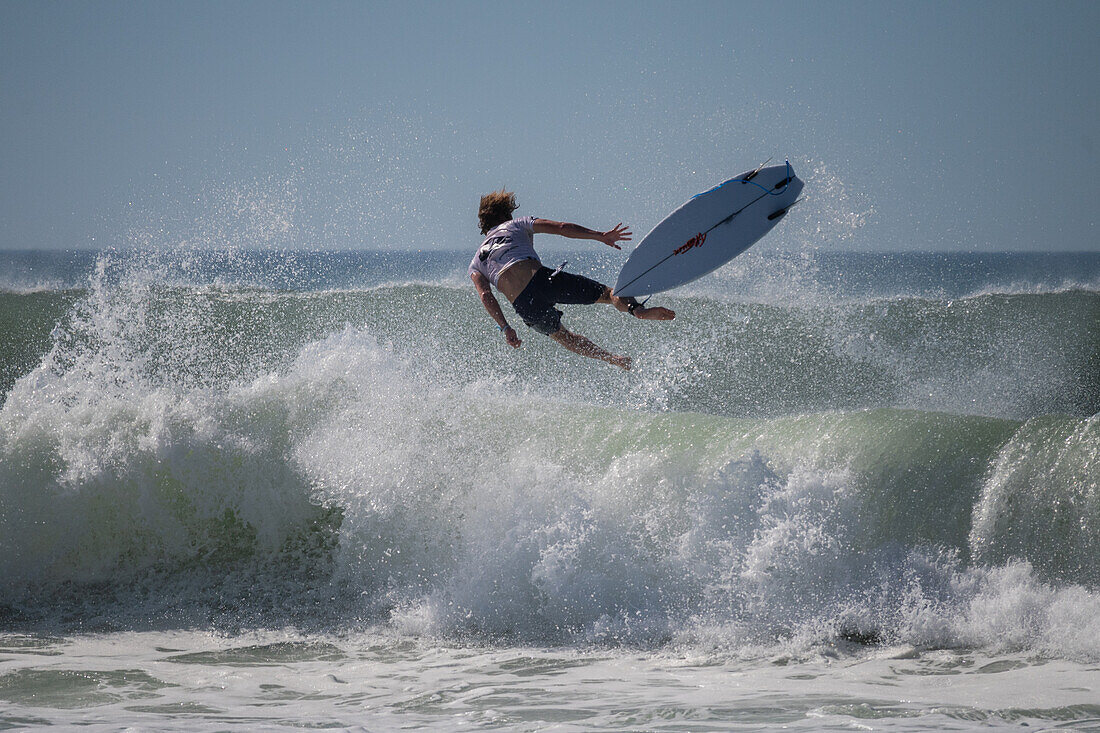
904, 469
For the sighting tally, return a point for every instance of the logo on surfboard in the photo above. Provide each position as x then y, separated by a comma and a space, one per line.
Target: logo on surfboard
696, 241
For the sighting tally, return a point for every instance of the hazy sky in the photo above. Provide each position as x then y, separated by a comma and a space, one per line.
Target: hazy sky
916, 125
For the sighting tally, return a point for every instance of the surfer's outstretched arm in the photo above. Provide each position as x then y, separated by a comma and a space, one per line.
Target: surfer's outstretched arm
489, 301
620, 233
580, 345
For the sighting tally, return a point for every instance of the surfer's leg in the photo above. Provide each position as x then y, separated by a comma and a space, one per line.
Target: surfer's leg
573, 289
631, 306
580, 345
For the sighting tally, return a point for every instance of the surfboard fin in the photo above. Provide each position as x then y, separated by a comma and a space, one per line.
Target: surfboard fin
782, 212
759, 168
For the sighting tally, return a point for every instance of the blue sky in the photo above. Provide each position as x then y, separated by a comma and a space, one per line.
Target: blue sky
930, 125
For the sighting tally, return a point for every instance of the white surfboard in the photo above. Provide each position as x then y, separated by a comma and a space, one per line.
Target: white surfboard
709, 230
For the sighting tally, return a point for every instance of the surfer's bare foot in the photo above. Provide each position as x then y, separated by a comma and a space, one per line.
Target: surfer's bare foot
656, 313
623, 362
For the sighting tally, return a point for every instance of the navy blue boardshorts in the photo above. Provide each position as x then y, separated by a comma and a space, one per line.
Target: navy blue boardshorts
535, 305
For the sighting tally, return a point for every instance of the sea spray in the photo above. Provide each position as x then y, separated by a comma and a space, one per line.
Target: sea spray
1041, 501
113, 465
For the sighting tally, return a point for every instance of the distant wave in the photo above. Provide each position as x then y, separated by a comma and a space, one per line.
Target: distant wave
1000, 355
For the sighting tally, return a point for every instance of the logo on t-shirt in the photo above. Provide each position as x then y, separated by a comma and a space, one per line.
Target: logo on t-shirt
491, 245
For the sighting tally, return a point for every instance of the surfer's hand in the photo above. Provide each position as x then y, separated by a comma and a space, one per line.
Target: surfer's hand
621, 233
512, 337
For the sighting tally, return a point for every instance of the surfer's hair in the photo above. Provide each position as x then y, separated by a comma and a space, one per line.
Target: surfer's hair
495, 209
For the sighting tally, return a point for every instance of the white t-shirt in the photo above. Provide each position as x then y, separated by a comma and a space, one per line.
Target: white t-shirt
505, 245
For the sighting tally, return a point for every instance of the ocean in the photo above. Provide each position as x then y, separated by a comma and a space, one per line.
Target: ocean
275, 489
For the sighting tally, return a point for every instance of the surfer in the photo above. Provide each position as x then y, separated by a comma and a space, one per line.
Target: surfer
507, 259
